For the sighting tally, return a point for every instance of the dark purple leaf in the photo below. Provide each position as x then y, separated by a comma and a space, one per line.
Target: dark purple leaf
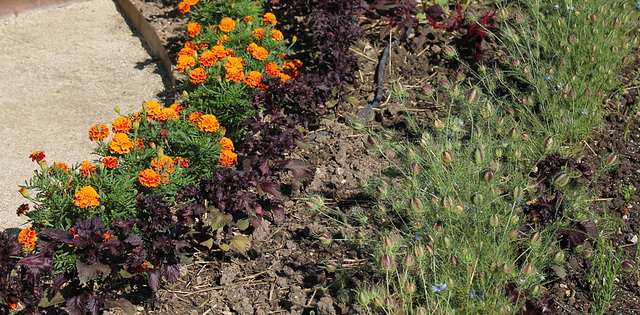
434, 11
89, 272
37, 264
171, 272
278, 212
272, 188
95, 303
76, 304
154, 278
301, 168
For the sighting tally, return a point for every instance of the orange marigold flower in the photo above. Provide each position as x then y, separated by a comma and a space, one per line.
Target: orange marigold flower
152, 108
22, 209
208, 123
234, 76
27, 238
87, 169
228, 158
195, 117
184, 7
202, 46
272, 69
24, 192
207, 59
165, 164
276, 35
177, 109
192, 2
187, 51
260, 53
258, 32
60, 166
135, 117
193, 29
227, 25
121, 124
251, 47
226, 144
284, 77
149, 178
189, 44
223, 39
185, 62
13, 307
86, 197
269, 19
253, 79
97, 132
230, 52
219, 52
140, 143
197, 75
234, 64
110, 162
106, 236
121, 144
248, 18
37, 156
182, 162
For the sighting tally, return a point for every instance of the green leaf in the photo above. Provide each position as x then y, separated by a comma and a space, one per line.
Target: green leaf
219, 219
241, 242
208, 243
331, 103
57, 299
352, 100
560, 271
242, 224
88, 272
225, 247
125, 274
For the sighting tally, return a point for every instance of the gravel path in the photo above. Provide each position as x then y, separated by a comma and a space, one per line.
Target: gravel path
64, 70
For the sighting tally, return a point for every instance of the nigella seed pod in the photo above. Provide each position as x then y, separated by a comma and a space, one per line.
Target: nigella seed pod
526, 69
495, 165
478, 156
325, 239
459, 209
361, 181
459, 76
535, 239
611, 160
592, 58
418, 251
383, 188
535, 290
593, 17
563, 60
331, 268
447, 202
378, 301
388, 242
453, 260
374, 141
507, 268
561, 180
408, 260
438, 124
494, 266
526, 136
565, 96
447, 157
454, 91
482, 69
386, 262
449, 52
427, 90
387, 134
516, 154
572, 38
446, 242
587, 253
517, 63
566, 87
627, 266
518, 193
477, 199
548, 143
514, 133
550, 70
528, 269
558, 257
414, 168
416, 205
515, 219
411, 287
472, 96
494, 221
486, 175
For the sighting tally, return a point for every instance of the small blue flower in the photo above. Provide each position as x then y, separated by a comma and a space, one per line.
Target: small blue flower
584, 112
476, 294
547, 77
439, 287
638, 5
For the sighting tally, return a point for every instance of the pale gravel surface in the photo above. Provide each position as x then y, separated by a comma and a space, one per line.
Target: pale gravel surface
63, 70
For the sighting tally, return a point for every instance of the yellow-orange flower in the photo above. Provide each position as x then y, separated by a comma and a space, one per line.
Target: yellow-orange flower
121, 144
185, 62
192, 2
60, 166
121, 124
219, 52
208, 123
37, 156
194, 117
22, 209
234, 64
223, 39
27, 238
207, 59
187, 50
153, 109
228, 158
87, 169
110, 162
165, 164
140, 143
272, 69
227, 25
226, 144
201, 46
189, 44
182, 162
253, 79
269, 19
258, 32
251, 47
177, 109
197, 75
86, 197
260, 53
149, 178
106, 236
248, 18
193, 29
230, 52
276, 35
97, 132
234, 76
184, 7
